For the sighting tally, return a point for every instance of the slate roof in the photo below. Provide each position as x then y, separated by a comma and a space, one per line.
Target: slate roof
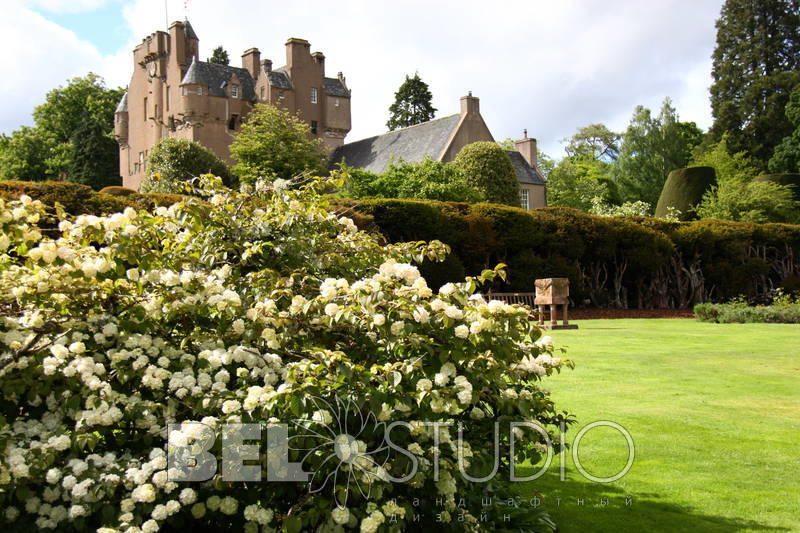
122, 107
189, 31
215, 77
278, 78
334, 87
409, 144
525, 173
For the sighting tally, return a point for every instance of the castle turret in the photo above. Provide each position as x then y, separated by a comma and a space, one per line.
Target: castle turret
121, 120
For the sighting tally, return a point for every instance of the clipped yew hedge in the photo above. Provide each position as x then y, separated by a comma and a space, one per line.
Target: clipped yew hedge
80, 199
636, 262
684, 189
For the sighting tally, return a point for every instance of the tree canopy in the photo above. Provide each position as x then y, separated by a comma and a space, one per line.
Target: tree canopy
172, 161
756, 64
412, 104
487, 167
786, 157
72, 139
220, 56
429, 179
652, 147
274, 143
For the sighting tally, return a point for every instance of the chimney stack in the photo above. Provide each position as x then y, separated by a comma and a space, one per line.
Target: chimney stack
267, 65
251, 60
319, 58
297, 50
527, 147
470, 104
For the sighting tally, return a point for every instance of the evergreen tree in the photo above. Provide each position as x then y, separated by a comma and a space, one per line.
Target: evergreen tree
412, 104
787, 154
219, 56
755, 67
93, 156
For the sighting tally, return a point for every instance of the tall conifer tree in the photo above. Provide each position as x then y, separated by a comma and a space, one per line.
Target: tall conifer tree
412, 104
755, 68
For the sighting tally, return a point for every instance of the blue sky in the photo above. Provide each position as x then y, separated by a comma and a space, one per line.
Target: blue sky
104, 27
548, 67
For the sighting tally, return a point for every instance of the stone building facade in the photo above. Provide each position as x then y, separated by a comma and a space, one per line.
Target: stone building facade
441, 139
174, 94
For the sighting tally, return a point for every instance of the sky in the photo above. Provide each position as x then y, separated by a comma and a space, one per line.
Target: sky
548, 67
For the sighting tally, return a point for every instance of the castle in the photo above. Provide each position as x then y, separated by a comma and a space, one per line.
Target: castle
174, 94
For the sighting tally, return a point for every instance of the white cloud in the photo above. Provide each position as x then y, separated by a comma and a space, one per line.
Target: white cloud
40, 56
65, 6
550, 67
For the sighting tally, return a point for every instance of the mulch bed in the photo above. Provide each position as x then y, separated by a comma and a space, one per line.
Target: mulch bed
588, 314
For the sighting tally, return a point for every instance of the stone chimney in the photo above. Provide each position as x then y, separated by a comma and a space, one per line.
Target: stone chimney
527, 147
267, 65
470, 104
319, 59
251, 60
177, 37
297, 50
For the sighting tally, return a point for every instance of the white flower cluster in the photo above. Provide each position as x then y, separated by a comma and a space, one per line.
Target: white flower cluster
234, 310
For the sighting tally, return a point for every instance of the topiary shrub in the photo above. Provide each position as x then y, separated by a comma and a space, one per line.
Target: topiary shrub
684, 189
116, 190
126, 338
790, 180
174, 161
487, 167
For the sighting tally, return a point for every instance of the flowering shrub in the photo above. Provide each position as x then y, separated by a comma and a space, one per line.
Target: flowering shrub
248, 307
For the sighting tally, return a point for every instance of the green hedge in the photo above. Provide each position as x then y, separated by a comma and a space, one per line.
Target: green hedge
80, 199
684, 189
742, 313
610, 261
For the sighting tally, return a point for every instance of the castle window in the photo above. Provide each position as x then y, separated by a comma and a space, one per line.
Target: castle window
524, 201
199, 91
167, 98
184, 91
262, 93
314, 127
281, 95
234, 91
336, 102
314, 99
145, 109
234, 120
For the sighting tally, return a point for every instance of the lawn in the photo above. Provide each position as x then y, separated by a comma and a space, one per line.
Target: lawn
714, 411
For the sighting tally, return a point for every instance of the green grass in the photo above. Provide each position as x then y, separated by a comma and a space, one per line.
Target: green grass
714, 411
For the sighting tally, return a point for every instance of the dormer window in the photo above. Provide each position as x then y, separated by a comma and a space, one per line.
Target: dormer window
234, 91
314, 98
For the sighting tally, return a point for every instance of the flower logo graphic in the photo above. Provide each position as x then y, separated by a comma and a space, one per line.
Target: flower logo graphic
343, 448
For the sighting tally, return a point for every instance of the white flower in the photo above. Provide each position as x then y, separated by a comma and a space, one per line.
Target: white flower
398, 327
228, 505
421, 315
331, 309
424, 385
462, 331
379, 319
340, 515
454, 312
231, 406
144, 493
447, 289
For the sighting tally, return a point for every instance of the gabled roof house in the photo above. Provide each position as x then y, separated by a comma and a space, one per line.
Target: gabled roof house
441, 139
